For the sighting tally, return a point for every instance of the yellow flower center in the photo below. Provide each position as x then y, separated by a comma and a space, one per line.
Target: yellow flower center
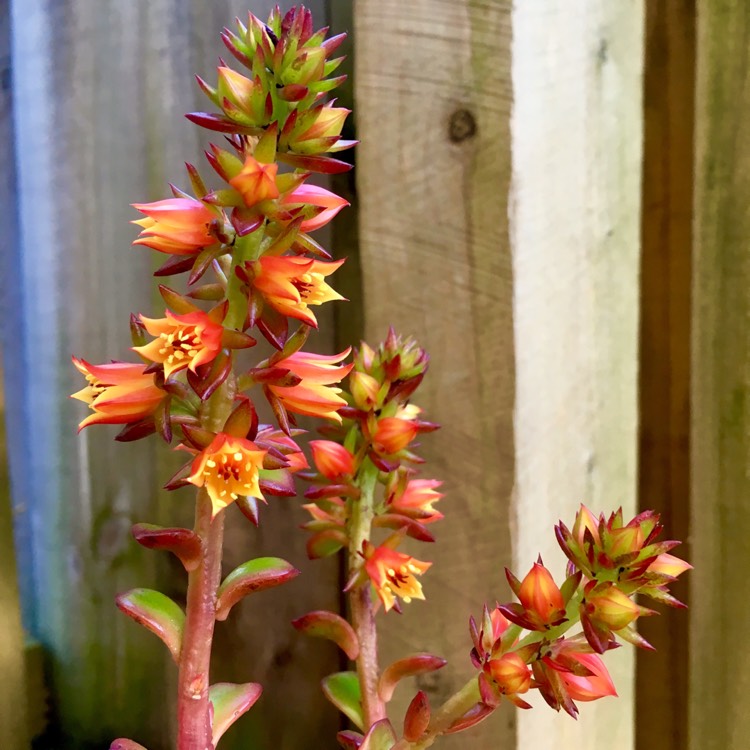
230, 475
181, 344
402, 582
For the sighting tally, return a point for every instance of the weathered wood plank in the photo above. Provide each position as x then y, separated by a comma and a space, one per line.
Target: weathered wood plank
433, 97
577, 127
14, 729
100, 90
664, 450
720, 437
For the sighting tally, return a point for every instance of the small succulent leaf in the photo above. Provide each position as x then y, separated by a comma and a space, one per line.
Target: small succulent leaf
326, 543
254, 575
156, 612
380, 737
229, 702
349, 739
408, 667
124, 744
342, 689
417, 717
322, 624
183, 543
471, 718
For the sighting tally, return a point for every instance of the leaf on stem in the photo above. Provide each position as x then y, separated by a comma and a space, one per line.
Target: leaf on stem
322, 624
342, 689
157, 613
471, 718
350, 740
183, 543
326, 543
124, 744
254, 575
229, 702
408, 667
380, 737
417, 717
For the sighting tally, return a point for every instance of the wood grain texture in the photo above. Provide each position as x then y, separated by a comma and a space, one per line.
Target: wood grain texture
576, 131
433, 98
14, 728
720, 438
14, 711
100, 89
664, 451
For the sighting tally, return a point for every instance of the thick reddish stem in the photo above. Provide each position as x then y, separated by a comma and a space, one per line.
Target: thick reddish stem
193, 710
360, 599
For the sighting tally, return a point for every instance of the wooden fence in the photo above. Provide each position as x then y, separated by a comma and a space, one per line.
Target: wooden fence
552, 195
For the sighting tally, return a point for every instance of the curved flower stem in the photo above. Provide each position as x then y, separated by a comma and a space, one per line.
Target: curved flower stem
360, 597
193, 709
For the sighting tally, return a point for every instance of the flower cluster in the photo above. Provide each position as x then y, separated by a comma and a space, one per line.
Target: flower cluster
251, 263
609, 563
378, 428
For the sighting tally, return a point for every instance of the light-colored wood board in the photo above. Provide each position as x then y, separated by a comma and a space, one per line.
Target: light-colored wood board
576, 144
664, 451
720, 437
433, 98
100, 90
14, 708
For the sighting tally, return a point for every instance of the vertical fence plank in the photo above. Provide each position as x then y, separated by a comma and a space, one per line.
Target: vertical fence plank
577, 127
720, 438
14, 730
100, 89
664, 451
433, 97
14, 733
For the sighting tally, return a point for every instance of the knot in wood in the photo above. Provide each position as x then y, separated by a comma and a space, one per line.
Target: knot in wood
461, 126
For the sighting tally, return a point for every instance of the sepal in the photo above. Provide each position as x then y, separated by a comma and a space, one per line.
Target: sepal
157, 613
254, 575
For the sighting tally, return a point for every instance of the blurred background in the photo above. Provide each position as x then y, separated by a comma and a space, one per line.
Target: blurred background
552, 195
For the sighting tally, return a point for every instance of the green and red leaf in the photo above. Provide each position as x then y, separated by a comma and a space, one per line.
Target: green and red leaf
322, 624
229, 702
254, 575
342, 689
157, 613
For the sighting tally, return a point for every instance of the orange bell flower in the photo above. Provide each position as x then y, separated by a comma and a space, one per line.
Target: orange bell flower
291, 284
256, 182
177, 226
314, 395
117, 393
182, 341
227, 468
394, 574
